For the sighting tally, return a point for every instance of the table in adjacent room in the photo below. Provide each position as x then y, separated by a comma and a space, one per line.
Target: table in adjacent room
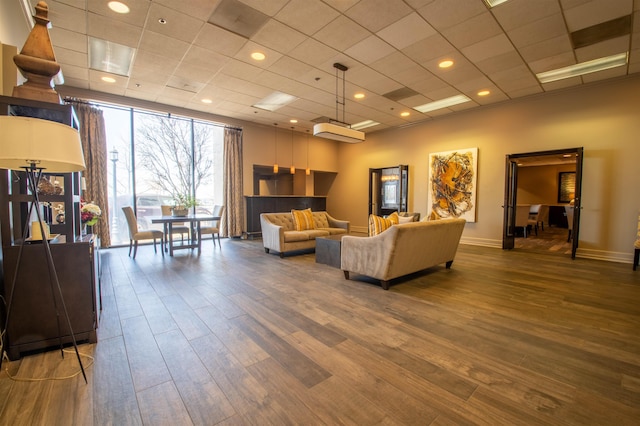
195, 236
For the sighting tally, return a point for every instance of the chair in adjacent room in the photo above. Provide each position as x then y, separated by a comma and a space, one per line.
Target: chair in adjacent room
534, 210
176, 227
543, 215
569, 212
636, 245
214, 229
135, 235
522, 217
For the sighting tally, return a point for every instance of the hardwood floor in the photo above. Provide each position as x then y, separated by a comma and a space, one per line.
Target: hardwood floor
237, 336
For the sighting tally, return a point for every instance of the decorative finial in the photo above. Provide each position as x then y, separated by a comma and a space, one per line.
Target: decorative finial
37, 62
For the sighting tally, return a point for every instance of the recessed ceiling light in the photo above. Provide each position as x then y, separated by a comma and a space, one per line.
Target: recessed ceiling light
494, 3
162, 21
118, 7
442, 103
206, 101
258, 56
446, 63
293, 120
108, 79
567, 155
359, 95
583, 68
483, 93
364, 124
405, 114
275, 101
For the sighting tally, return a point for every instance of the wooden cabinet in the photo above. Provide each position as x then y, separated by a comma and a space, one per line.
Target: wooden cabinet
33, 324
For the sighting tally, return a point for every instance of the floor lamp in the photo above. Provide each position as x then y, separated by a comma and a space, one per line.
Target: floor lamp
35, 145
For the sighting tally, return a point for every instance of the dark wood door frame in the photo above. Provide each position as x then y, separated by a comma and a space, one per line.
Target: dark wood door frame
511, 189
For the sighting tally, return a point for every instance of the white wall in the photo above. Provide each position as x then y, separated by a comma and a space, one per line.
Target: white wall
603, 118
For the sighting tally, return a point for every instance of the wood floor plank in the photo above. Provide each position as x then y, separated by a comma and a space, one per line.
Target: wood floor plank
308, 372
162, 405
148, 368
114, 396
235, 336
202, 397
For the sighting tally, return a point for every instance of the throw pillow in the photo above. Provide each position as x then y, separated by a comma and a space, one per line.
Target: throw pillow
303, 220
379, 224
405, 219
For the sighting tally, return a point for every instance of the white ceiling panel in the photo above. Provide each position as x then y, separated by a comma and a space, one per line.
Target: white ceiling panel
388, 45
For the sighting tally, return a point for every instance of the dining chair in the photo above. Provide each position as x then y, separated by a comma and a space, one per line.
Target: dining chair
636, 245
215, 227
569, 212
176, 227
543, 215
534, 211
136, 235
522, 217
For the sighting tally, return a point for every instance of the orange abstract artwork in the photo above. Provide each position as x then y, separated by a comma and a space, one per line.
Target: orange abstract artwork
452, 178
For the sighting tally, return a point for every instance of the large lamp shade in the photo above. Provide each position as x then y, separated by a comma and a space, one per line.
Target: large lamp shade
25, 141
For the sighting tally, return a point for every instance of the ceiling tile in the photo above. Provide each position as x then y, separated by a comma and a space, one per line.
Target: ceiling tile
479, 27
408, 30
306, 16
369, 50
219, 40
277, 36
113, 30
595, 12
443, 14
342, 33
518, 13
200, 9
494, 46
375, 15
177, 25
163, 45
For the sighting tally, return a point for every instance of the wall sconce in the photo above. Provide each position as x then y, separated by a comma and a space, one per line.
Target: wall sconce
308, 170
275, 142
293, 169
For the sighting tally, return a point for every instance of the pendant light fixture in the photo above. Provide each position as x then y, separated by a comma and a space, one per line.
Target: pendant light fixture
275, 142
293, 169
308, 170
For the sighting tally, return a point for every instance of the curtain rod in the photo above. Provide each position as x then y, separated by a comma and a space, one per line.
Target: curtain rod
99, 104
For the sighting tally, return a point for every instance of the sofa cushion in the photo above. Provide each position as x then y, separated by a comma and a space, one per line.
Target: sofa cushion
295, 236
379, 224
334, 231
302, 219
314, 233
405, 219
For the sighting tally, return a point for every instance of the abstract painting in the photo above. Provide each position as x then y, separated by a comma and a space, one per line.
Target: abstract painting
452, 184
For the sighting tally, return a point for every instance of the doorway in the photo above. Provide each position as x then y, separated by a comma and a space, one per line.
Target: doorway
562, 171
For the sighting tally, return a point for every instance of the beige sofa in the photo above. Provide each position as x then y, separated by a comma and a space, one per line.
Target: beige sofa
279, 234
402, 249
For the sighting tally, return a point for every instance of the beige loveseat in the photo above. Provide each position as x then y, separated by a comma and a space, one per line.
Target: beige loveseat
279, 234
402, 249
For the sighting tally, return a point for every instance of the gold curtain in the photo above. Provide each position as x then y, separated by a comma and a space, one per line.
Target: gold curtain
232, 222
94, 145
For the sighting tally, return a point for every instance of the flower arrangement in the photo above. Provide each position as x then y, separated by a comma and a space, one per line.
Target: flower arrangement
90, 213
184, 201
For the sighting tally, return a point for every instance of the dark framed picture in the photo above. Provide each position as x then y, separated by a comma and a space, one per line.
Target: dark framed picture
566, 187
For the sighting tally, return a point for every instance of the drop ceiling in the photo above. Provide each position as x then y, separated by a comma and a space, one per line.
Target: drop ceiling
391, 47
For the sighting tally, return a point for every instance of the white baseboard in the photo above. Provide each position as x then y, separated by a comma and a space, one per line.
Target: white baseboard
608, 256
483, 242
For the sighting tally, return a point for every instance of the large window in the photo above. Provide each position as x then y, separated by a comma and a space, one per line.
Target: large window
155, 158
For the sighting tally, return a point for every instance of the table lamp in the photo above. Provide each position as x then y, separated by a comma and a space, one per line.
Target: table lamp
35, 145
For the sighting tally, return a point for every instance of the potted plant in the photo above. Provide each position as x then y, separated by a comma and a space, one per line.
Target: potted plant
182, 203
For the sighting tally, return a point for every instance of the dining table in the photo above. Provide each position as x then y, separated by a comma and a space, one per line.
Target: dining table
195, 237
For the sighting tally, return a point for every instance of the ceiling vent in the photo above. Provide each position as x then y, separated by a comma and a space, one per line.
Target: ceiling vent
600, 32
400, 94
336, 129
